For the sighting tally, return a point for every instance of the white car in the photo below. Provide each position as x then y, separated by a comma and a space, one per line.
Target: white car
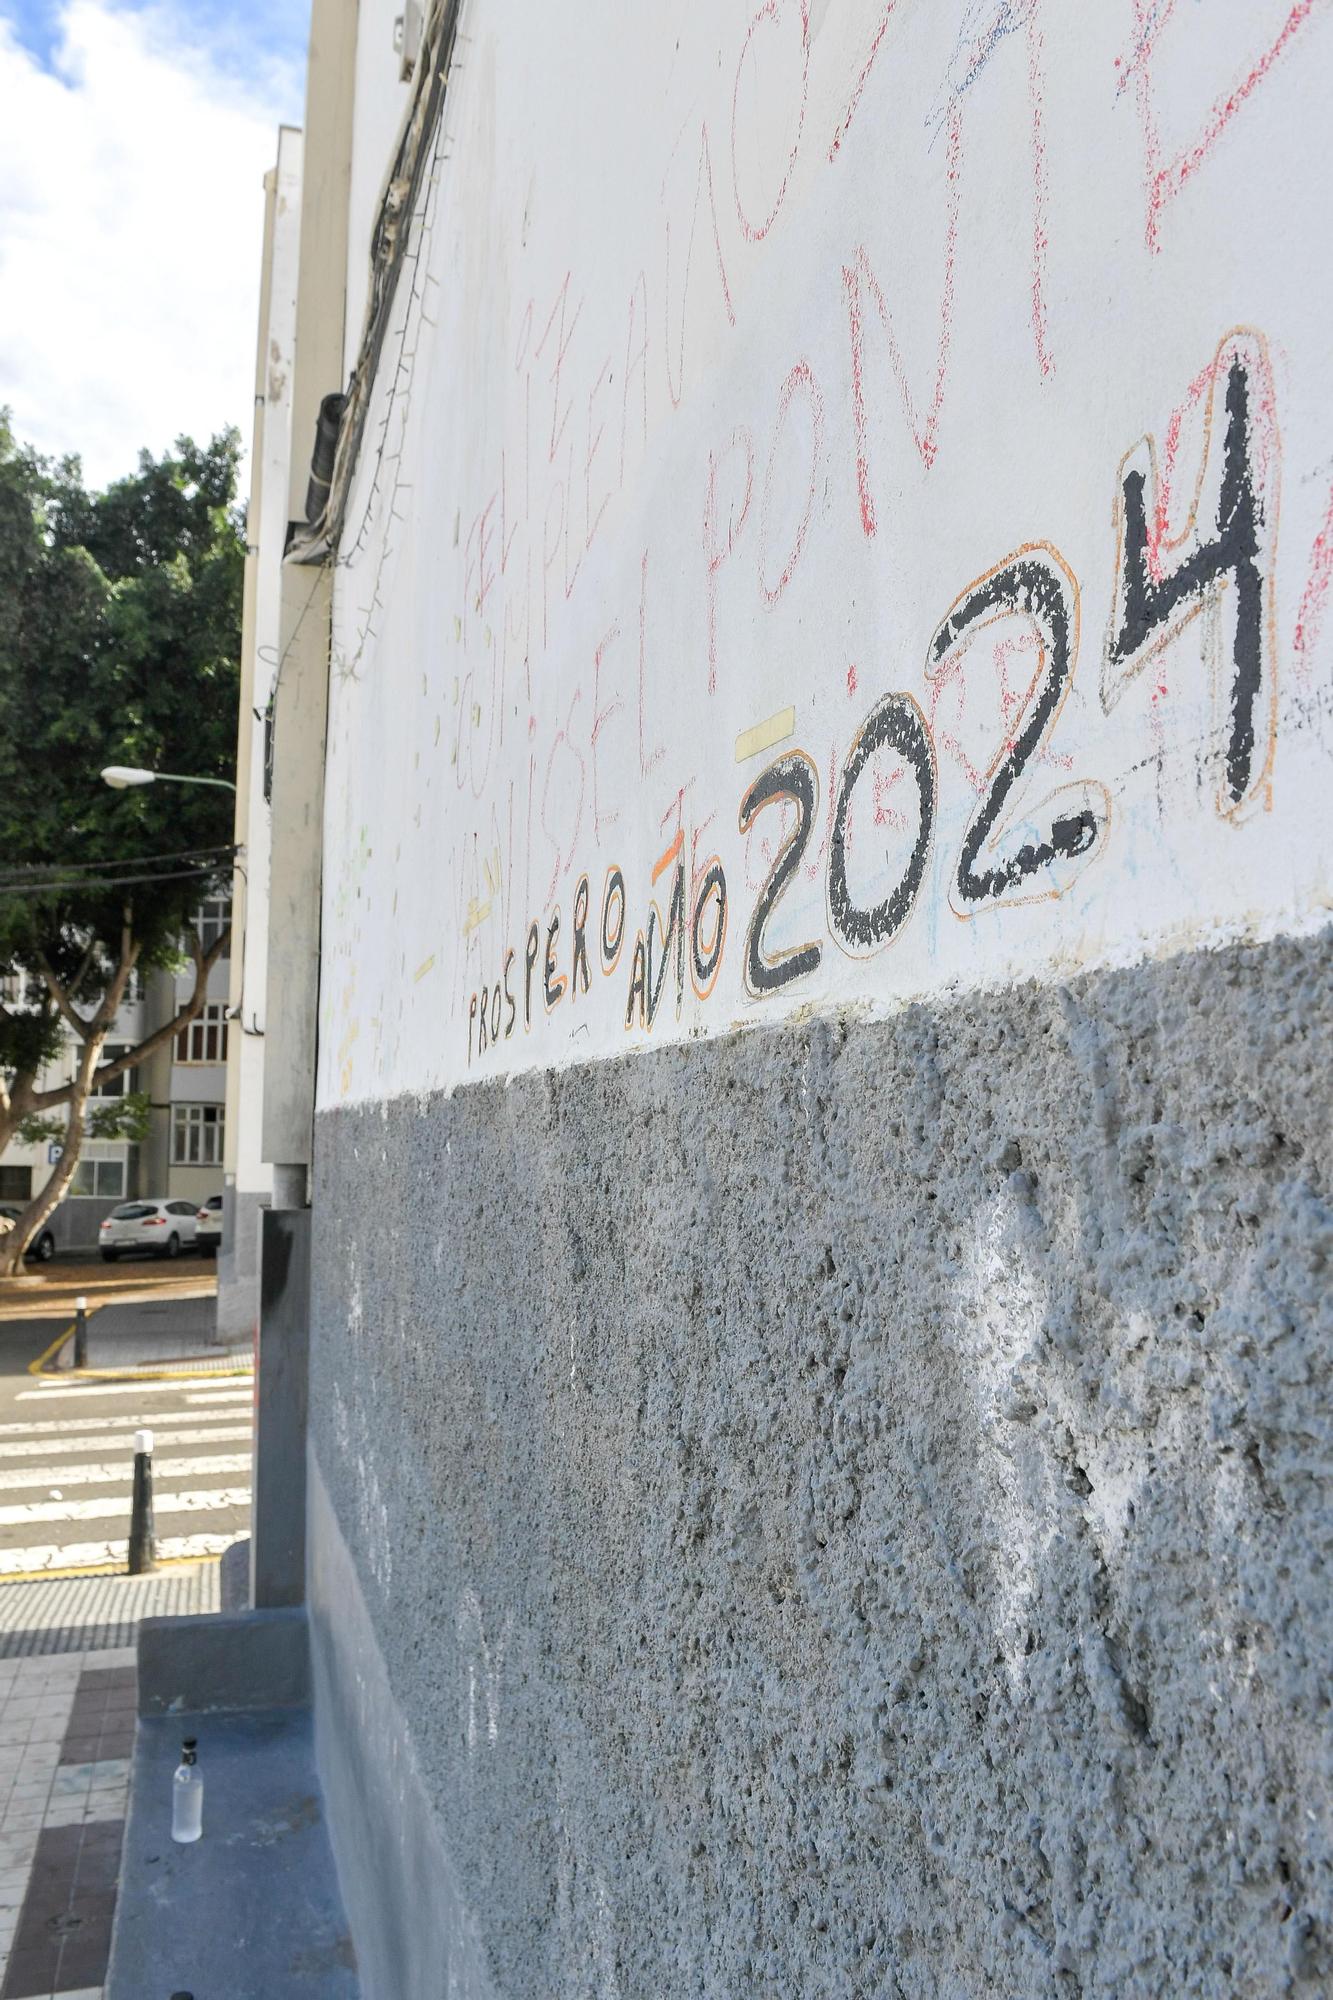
162, 1228
208, 1239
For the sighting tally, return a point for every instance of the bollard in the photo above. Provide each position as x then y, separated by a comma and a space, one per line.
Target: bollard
143, 1550
80, 1333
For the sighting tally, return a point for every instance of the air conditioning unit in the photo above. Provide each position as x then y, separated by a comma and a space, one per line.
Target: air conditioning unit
407, 38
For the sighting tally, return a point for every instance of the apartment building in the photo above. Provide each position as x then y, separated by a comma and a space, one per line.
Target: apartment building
186, 1082
248, 1181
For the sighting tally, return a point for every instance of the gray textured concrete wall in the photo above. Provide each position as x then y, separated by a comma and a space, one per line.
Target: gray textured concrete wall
413, 1933
238, 1261
277, 1542
845, 1510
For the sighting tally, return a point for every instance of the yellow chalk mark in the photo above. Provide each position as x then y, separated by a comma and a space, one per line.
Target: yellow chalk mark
424, 967
751, 742
477, 914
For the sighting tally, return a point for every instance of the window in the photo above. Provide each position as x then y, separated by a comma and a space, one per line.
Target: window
196, 1135
16, 1184
204, 1039
213, 918
116, 1086
18, 990
105, 1178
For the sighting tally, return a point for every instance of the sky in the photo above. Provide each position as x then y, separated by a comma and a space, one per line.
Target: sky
134, 139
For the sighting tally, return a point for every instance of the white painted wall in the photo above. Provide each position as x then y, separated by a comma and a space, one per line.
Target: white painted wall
743, 344
267, 533
300, 689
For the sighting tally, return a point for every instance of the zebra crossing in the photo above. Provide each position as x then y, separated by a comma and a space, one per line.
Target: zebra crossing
67, 1465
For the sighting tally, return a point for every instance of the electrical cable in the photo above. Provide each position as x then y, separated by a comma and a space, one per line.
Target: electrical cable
389, 245
18, 877
201, 874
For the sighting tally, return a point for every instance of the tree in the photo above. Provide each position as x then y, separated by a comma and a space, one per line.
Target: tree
120, 622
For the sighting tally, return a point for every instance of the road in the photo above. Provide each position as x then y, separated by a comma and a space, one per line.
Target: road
49, 1290
67, 1460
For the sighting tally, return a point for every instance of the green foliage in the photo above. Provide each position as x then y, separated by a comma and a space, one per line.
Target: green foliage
128, 1117
30, 1039
36, 1131
120, 618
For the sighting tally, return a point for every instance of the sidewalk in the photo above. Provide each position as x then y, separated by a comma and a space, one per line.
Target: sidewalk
172, 1336
150, 1338
66, 1742
68, 1694
66, 1734
91, 1614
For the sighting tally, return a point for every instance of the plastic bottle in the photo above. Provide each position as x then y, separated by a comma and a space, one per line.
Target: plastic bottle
187, 1795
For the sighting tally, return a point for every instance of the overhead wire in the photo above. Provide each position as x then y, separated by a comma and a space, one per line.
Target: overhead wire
202, 873
37, 870
390, 241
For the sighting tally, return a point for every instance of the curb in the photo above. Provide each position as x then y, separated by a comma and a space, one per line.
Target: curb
168, 1372
39, 1367
56, 1574
47, 1365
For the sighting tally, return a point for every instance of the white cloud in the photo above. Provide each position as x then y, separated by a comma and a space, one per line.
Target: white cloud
131, 221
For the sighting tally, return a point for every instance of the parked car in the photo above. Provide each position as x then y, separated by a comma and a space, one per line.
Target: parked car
161, 1228
44, 1248
208, 1230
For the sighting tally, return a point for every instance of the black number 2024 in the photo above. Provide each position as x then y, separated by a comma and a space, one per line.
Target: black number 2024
1222, 570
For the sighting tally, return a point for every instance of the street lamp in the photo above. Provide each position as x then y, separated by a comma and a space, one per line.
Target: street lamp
121, 776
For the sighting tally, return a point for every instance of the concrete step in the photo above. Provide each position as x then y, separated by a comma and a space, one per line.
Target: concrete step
252, 1909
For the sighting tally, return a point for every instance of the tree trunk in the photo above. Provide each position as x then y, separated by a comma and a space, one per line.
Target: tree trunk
16, 1106
44, 1205
23, 1098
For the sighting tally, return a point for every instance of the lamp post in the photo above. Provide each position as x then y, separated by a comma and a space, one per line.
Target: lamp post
120, 777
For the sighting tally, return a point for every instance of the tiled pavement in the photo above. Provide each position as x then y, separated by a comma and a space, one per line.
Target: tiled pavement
88, 1614
67, 1697
66, 1732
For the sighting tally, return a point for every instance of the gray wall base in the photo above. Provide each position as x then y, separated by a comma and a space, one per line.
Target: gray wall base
248, 1660
78, 1220
234, 1577
238, 1263
845, 1510
413, 1936
277, 1546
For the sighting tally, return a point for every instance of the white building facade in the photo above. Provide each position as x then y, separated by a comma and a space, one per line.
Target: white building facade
249, 1178
799, 958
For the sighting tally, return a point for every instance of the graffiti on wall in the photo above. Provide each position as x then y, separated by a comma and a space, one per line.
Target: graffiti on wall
658, 707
